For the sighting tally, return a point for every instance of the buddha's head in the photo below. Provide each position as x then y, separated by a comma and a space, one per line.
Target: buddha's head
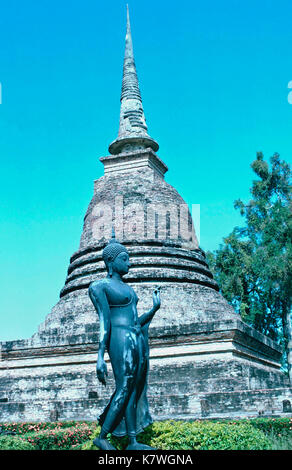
116, 257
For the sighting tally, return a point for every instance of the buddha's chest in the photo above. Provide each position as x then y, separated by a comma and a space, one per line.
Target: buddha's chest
120, 294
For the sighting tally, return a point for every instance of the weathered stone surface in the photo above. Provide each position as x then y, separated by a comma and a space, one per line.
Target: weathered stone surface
200, 379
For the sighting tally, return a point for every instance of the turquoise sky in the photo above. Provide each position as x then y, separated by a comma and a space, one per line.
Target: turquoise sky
214, 81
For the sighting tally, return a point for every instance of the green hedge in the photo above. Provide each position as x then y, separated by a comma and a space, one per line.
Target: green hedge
60, 439
282, 426
14, 443
197, 435
23, 428
255, 434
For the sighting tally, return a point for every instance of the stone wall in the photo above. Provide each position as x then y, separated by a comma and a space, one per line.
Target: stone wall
192, 376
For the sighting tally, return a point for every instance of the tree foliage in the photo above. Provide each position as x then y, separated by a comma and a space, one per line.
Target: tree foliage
253, 266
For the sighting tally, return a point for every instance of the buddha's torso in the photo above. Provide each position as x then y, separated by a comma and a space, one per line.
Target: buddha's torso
122, 301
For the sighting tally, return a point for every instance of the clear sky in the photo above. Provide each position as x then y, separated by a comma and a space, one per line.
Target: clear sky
214, 81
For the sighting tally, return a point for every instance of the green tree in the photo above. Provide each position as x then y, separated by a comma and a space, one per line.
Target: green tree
253, 266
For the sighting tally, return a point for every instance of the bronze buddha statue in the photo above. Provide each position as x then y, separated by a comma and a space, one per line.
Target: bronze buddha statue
125, 337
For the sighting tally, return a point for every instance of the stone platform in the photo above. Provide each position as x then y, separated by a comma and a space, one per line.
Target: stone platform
219, 369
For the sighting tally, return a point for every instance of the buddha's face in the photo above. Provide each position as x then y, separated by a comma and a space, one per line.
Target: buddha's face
121, 263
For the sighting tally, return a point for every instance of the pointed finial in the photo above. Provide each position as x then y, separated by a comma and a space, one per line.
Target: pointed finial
128, 17
129, 44
133, 129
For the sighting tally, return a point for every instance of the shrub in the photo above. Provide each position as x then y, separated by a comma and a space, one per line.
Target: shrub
255, 434
14, 443
23, 428
278, 426
60, 439
197, 435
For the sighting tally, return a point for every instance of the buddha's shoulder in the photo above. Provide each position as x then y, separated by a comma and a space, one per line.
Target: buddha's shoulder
99, 285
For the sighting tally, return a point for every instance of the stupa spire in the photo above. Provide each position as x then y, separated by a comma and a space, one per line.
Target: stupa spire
133, 129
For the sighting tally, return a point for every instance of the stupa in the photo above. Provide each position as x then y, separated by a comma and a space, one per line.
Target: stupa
204, 361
